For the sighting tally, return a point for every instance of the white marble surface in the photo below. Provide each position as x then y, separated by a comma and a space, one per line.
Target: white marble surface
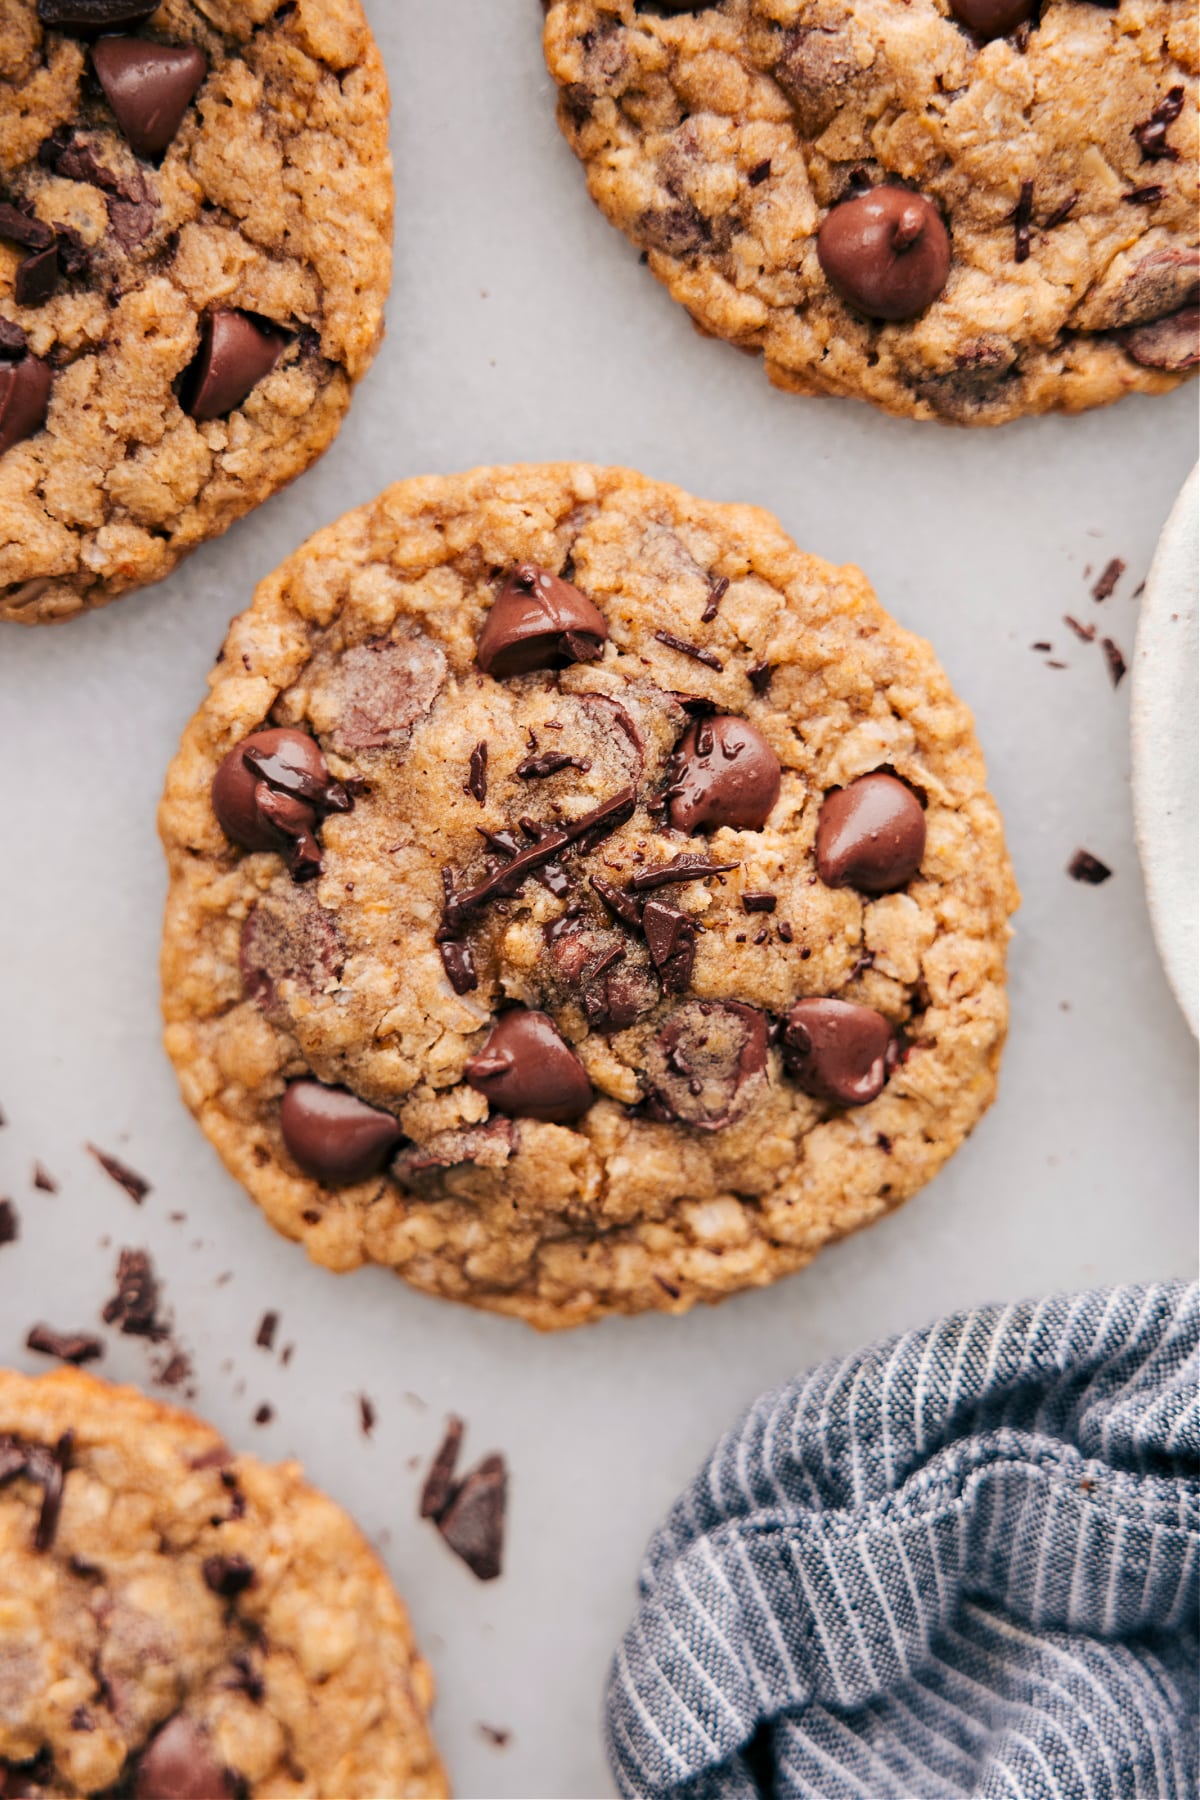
522, 328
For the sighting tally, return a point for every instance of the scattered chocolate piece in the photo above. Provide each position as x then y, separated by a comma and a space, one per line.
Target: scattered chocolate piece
760, 675
473, 1522
620, 904
178, 1764
149, 87
458, 960
695, 651
720, 586
679, 869
438, 1490
271, 793
759, 902
1042, 645
265, 1336
236, 352
135, 1185
86, 17
885, 252
77, 1347
551, 762
1114, 659
671, 938
1086, 633
36, 279
228, 1576
498, 1735
10, 1223
366, 1414
1109, 577
1151, 134
24, 400
1083, 866
707, 1063
993, 18
871, 835
526, 1069
477, 778
1022, 214
539, 621
264, 1414
722, 772
333, 1135
839, 1052
133, 1309
668, 1287
786, 934
587, 832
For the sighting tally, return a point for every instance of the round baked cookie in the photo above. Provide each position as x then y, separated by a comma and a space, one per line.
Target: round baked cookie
581, 901
964, 210
195, 251
180, 1623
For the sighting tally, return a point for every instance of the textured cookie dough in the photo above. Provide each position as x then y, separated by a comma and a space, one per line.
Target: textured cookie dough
177, 1620
274, 199
1062, 158
367, 637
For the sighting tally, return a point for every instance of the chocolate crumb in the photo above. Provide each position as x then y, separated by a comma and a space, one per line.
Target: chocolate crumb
265, 1336
1062, 213
77, 1347
498, 1735
759, 172
10, 1223
1083, 866
1057, 665
1114, 659
1042, 646
43, 1180
366, 1415
759, 901
439, 1483
133, 1309
720, 587
1109, 577
668, 1287
695, 651
477, 778
134, 1184
1085, 633
228, 1576
264, 1415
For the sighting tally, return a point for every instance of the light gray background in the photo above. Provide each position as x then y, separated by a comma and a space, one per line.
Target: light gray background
522, 328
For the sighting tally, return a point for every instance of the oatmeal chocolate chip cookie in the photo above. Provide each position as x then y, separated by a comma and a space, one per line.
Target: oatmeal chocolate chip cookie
195, 251
964, 210
581, 901
180, 1623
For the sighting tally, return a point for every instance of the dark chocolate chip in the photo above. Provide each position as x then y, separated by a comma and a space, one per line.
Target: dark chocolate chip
439, 1487
671, 938
179, 1764
36, 279
1172, 343
993, 18
706, 1063
135, 1185
149, 87
871, 835
679, 869
270, 792
1083, 866
24, 399
228, 1576
87, 17
886, 252
268, 1326
77, 1347
720, 587
333, 1135
539, 621
527, 1070
133, 1309
759, 902
839, 1052
473, 1522
236, 352
723, 772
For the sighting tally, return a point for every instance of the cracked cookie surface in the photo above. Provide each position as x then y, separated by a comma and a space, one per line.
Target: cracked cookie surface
602, 981
175, 1619
266, 218
1060, 161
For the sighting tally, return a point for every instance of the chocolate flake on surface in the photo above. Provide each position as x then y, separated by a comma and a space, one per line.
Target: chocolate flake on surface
551, 762
671, 938
1145, 196
367, 1416
1151, 134
497, 1735
472, 1525
228, 1576
760, 675
1083, 866
135, 1185
476, 784
1114, 659
10, 1223
720, 587
133, 1308
76, 1347
265, 1336
1109, 577
696, 651
620, 904
264, 1414
439, 1483
1085, 633
679, 869
52, 1475
458, 960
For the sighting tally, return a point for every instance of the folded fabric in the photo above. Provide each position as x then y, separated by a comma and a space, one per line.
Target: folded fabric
962, 1563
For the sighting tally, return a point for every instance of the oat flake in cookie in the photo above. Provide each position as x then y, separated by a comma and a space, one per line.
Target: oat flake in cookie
581, 900
964, 210
195, 250
180, 1623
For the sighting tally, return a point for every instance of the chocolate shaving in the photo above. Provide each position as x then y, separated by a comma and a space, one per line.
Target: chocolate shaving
620, 904
439, 1483
1151, 134
1083, 866
679, 869
720, 587
135, 1185
1145, 196
1021, 215
265, 1336
1086, 633
10, 1223
76, 1347
668, 1287
477, 778
698, 654
498, 1735
53, 1480
1062, 213
1114, 659
537, 768
586, 831
759, 172
1109, 577
43, 1180
367, 1415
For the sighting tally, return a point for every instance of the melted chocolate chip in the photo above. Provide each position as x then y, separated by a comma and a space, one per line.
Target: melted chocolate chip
587, 831
287, 937
270, 792
13, 341
550, 762
539, 621
228, 1576
620, 904
86, 17
179, 1764
149, 87
723, 772
527, 1070
839, 1052
472, 1524
334, 1136
671, 938
75, 1347
871, 835
458, 960
680, 868
380, 690
236, 352
886, 252
24, 400
993, 18
620, 997
707, 1063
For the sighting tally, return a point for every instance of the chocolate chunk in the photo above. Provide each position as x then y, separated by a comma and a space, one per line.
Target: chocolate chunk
1151, 134
22, 228
288, 938
439, 1487
477, 777
1083, 866
527, 1070
270, 793
723, 772
759, 902
839, 1052
1172, 343
458, 960
695, 651
87, 17
228, 1576
680, 868
149, 87
1145, 196
24, 399
133, 1309
333, 1135
993, 18
1108, 578
135, 1185
539, 621
13, 341
671, 938
179, 1765
77, 1347
37, 278
707, 1064
871, 835
620, 904
473, 1523
236, 352
268, 1326
886, 252
380, 690
10, 1223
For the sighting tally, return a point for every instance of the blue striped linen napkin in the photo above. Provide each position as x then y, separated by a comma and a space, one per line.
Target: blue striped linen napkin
961, 1563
